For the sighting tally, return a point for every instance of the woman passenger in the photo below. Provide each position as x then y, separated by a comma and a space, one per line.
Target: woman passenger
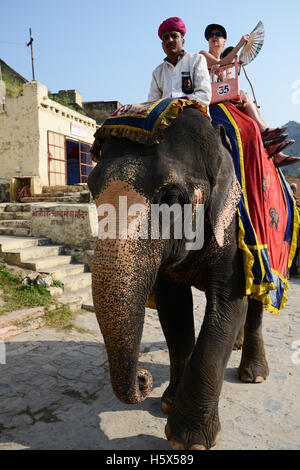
216, 36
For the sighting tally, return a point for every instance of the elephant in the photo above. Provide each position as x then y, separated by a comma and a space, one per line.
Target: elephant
191, 165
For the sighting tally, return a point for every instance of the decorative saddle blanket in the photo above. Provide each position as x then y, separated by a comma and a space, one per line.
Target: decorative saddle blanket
143, 122
268, 218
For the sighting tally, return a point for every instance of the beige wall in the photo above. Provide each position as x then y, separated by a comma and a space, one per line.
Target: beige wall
19, 135
23, 132
57, 118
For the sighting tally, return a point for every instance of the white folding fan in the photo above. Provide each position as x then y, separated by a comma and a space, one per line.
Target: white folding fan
254, 45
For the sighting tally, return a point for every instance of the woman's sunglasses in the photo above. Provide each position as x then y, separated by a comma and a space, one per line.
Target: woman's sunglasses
218, 34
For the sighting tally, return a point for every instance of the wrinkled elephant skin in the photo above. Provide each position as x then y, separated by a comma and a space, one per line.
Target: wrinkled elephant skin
190, 166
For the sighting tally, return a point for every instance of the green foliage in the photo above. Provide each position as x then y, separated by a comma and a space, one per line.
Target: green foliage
18, 296
60, 318
13, 85
57, 283
62, 101
65, 102
7, 279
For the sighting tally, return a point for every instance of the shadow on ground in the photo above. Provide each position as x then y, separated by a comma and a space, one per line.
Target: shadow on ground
57, 395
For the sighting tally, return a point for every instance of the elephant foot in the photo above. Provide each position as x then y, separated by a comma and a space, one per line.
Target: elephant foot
253, 371
167, 400
203, 438
238, 344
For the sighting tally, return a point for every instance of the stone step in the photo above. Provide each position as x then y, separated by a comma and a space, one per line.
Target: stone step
15, 231
8, 243
41, 199
64, 199
73, 283
75, 197
88, 305
44, 265
15, 215
64, 195
20, 321
65, 189
61, 273
14, 330
54, 195
38, 255
50, 194
15, 223
19, 256
75, 301
17, 207
19, 316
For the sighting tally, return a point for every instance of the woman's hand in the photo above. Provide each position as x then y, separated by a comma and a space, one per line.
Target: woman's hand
244, 39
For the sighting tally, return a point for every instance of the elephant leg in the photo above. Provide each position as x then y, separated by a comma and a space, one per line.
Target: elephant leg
193, 423
253, 366
175, 309
239, 340
240, 336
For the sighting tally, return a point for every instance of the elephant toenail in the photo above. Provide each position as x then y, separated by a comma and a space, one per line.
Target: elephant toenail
176, 445
167, 432
246, 378
258, 379
165, 408
216, 439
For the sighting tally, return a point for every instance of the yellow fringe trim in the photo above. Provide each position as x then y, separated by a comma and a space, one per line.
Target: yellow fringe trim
257, 292
296, 224
260, 292
144, 136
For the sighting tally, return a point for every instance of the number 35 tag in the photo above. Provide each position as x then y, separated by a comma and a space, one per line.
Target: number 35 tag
223, 89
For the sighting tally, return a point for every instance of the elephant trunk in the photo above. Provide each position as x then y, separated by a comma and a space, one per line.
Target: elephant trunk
122, 276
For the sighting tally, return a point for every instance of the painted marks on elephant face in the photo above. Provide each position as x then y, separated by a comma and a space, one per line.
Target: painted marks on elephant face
227, 212
198, 196
197, 199
122, 211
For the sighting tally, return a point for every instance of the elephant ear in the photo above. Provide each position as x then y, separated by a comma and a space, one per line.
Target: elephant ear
225, 188
224, 137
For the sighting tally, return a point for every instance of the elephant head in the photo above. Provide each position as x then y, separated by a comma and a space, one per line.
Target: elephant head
191, 165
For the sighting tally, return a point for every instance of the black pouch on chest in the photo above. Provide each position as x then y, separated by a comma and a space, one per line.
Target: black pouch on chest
186, 83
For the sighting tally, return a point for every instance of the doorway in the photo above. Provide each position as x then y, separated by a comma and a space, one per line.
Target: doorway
72, 152
79, 162
69, 160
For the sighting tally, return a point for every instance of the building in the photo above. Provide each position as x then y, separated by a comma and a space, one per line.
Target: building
43, 142
44, 138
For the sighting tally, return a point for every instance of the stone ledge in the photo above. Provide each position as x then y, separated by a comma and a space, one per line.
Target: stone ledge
66, 224
19, 316
15, 330
20, 321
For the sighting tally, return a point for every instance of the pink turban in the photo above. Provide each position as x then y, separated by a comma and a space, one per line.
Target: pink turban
172, 24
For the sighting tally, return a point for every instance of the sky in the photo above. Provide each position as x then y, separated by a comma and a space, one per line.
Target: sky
107, 50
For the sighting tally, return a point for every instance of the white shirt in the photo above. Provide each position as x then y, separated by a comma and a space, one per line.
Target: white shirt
169, 81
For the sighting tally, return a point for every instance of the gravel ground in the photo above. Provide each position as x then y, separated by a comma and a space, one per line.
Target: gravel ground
55, 390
